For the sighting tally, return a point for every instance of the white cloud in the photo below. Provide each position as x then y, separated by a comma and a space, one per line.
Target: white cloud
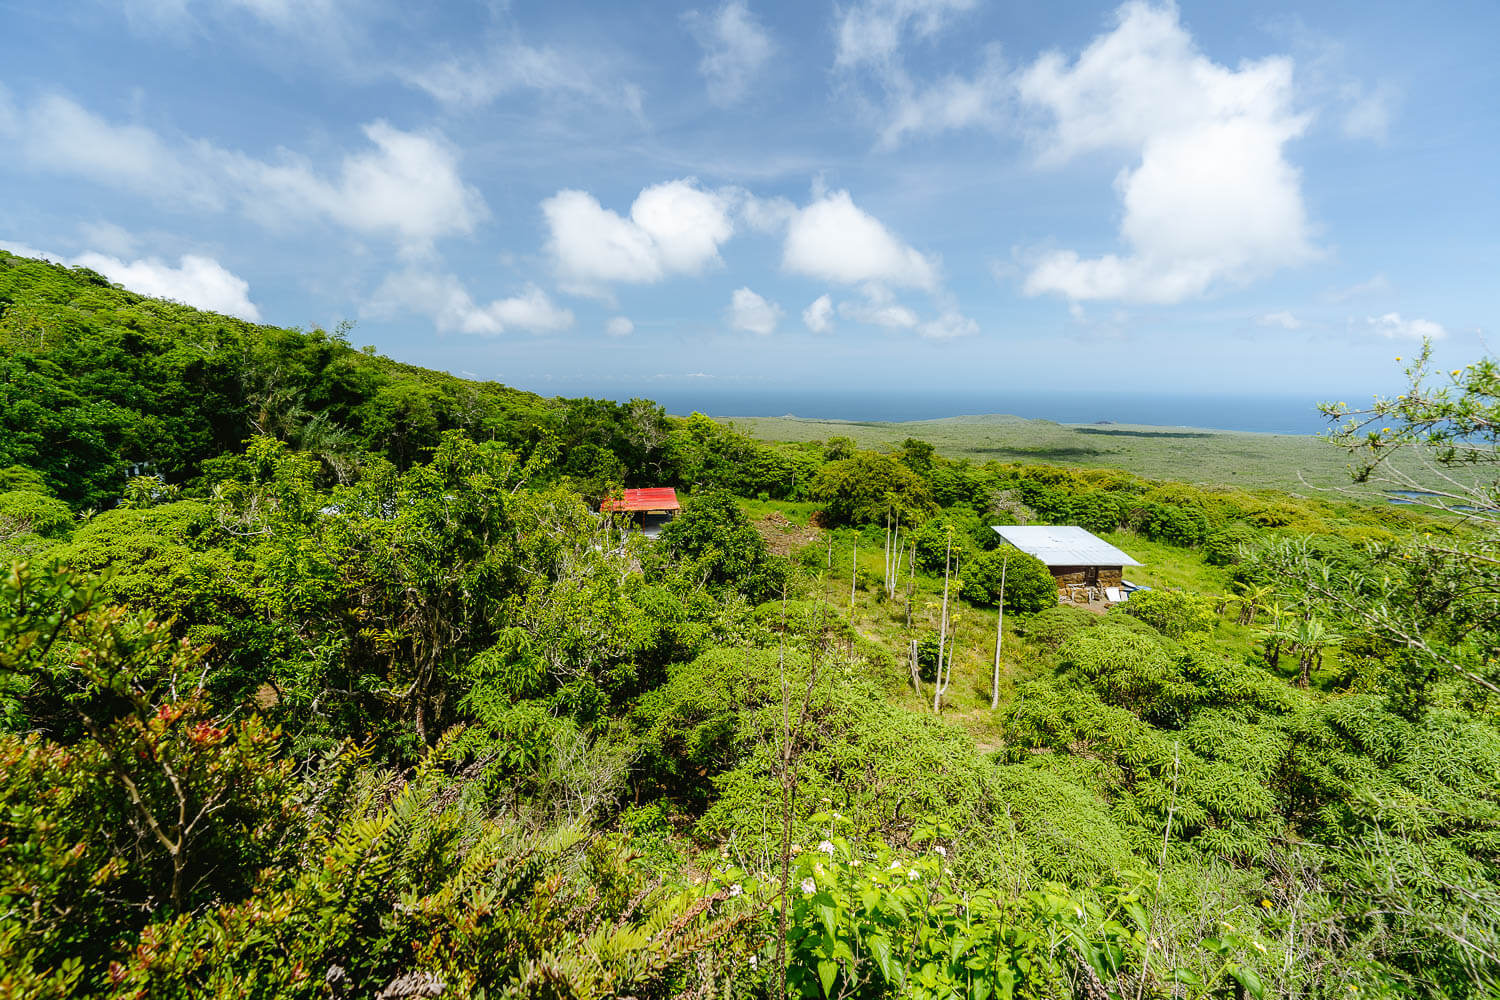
872, 31
1367, 112
197, 281
407, 185
765, 215
619, 326
753, 314
1211, 197
818, 317
1392, 326
443, 298
57, 134
735, 49
505, 68
109, 238
949, 324
834, 240
1376, 285
879, 308
673, 228
1283, 319
954, 102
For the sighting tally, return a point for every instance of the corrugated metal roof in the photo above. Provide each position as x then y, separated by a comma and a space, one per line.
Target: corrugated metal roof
1063, 545
651, 498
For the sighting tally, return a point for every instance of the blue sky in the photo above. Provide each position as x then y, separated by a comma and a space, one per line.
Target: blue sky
891, 195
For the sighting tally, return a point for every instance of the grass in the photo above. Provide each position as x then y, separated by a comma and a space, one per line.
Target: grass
967, 701
1294, 463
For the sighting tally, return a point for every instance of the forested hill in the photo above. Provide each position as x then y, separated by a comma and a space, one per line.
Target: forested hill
325, 677
95, 380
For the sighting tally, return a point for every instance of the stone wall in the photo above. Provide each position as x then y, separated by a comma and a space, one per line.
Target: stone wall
1087, 576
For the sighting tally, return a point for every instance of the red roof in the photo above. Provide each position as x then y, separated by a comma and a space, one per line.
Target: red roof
654, 498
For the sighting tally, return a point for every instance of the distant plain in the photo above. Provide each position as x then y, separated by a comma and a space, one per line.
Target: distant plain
1297, 463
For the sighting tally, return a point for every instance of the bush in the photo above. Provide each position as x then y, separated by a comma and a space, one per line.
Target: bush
1029, 586
34, 511
1173, 613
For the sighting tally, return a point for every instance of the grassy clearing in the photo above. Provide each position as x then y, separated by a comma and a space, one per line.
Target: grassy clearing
884, 622
1295, 463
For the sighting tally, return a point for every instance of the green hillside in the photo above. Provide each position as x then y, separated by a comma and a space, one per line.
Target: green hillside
322, 676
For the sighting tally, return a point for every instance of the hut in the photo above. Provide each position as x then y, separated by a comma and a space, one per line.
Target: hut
1076, 558
650, 507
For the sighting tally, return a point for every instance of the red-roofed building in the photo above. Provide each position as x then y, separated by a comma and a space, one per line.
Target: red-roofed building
651, 507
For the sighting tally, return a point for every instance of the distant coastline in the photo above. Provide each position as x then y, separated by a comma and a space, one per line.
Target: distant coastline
1263, 414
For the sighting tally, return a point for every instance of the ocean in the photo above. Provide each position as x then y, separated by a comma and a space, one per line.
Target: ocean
1271, 414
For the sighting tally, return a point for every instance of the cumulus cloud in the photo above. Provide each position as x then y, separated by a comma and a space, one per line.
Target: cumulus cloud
1283, 319
406, 185
1209, 197
1393, 326
818, 316
197, 281
673, 228
619, 326
879, 308
735, 49
834, 240
872, 31
752, 313
443, 299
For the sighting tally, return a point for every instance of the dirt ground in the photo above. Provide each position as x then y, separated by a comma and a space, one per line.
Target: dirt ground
782, 536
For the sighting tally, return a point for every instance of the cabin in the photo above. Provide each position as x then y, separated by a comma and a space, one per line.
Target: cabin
650, 508
1084, 565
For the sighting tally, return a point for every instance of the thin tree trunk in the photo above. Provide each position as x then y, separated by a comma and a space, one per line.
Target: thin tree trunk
999, 636
853, 574
916, 673
938, 686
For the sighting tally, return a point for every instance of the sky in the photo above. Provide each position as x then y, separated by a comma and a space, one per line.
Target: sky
866, 197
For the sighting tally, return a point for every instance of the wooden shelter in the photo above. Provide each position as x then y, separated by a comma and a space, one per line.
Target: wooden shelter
1076, 558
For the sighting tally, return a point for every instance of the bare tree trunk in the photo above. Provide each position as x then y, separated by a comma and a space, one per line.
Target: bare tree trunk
911, 582
938, 687
916, 672
999, 635
853, 574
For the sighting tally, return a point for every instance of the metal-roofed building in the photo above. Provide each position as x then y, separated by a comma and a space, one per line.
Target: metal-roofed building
1074, 557
651, 507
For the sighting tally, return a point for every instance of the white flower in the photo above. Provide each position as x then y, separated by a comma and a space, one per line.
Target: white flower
838, 816
809, 887
913, 874
735, 890
895, 866
826, 848
940, 851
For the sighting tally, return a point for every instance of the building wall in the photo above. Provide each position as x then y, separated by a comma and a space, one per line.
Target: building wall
1092, 576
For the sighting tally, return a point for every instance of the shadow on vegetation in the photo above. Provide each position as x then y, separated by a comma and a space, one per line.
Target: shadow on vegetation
1142, 434
1041, 451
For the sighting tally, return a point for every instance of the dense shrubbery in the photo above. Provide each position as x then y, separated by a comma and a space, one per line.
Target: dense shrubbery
351, 693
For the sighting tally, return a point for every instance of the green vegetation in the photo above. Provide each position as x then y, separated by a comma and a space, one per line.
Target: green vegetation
321, 677
1289, 462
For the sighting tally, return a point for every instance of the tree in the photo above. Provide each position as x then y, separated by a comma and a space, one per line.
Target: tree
1029, 586
717, 545
862, 489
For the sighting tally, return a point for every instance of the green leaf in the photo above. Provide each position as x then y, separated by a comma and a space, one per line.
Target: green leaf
880, 947
827, 970
1249, 980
